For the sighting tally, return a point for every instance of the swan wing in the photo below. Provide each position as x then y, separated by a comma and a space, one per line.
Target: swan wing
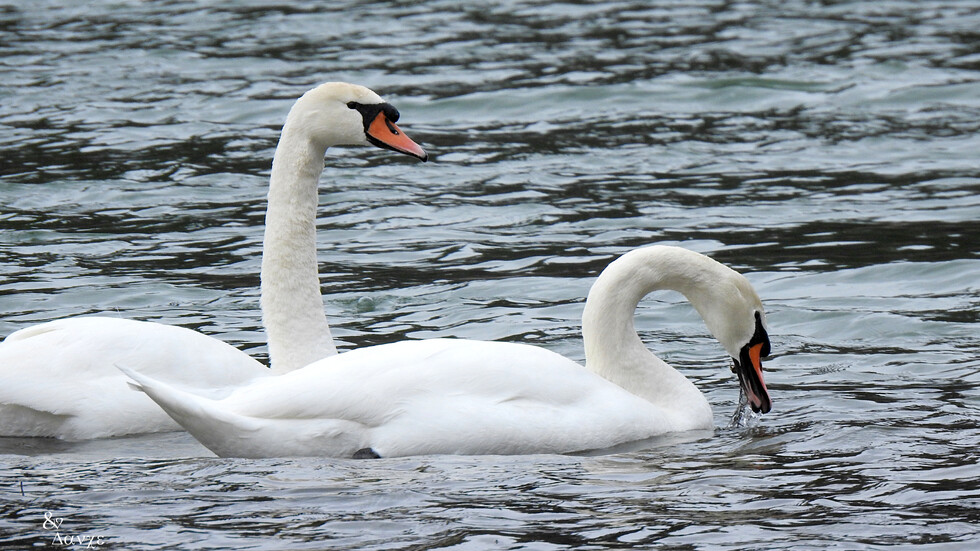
419, 397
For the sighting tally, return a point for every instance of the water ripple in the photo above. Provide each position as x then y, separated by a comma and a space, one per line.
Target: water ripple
828, 151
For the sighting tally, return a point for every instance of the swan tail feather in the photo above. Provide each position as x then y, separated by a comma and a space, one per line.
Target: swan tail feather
201, 416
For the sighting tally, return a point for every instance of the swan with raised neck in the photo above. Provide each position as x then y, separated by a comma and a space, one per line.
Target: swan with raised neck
59, 378
331, 114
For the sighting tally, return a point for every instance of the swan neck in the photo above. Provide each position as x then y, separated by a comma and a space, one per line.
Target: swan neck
612, 347
611, 342
292, 307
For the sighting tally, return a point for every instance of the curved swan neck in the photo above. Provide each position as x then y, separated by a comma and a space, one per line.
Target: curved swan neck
292, 307
612, 347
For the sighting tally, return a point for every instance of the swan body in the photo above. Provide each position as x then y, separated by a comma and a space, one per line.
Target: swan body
66, 388
59, 379
449, 396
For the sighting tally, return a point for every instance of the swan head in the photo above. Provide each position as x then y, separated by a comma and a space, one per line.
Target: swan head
733, 313
748, 367
726, 301
338, 113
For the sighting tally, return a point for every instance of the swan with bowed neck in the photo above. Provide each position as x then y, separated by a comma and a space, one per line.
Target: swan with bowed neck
59, 379
448, 396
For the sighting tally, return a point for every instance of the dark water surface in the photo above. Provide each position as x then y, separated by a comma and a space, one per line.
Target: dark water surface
829, 151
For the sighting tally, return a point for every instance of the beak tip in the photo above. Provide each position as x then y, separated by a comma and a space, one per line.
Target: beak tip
760, 404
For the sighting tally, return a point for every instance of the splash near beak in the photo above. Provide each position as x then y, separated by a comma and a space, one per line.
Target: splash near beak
383, 133
749, 370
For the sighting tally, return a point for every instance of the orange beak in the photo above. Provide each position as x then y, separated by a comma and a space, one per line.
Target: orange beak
383, 133
757, 393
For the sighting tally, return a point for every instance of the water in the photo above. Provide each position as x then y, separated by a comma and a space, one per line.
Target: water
827, 151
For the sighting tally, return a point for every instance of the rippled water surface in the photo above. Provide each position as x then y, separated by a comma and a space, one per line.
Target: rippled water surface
829, 151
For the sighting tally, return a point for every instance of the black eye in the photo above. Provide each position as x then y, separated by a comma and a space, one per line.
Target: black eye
352, 104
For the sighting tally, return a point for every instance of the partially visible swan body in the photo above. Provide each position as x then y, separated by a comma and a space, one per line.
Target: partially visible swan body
447, 396
59, 379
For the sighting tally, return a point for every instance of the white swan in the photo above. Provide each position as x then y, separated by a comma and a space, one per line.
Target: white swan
58, 379
446, 396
